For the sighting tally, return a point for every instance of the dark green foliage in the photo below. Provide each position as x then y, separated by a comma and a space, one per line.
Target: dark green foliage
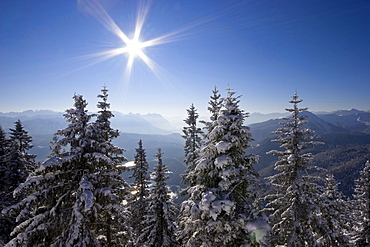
193, 141
214, 107
20, 163
6, 197
4, 158
160, 224
345, 164
140, 195
15, 165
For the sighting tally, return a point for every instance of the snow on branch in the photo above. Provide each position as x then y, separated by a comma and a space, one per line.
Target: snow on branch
87, 197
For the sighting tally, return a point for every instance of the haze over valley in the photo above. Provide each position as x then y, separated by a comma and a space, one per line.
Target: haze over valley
346, 134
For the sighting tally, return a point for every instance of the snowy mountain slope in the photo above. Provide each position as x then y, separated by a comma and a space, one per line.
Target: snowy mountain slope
141, 124
158, 121
37, 125
32, 113
353, 120
261, 131
257, 117
320, 126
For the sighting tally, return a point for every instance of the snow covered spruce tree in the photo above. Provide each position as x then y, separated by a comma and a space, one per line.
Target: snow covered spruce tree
336, 211
193, 140
362, 204
113, 228
300, 210
139, 198
74, 197
214, 107
160, 224
222, 206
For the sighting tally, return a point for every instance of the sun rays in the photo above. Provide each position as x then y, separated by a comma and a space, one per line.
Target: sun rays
133, 48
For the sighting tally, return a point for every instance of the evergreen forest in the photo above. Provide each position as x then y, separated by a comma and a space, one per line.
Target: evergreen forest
85, 193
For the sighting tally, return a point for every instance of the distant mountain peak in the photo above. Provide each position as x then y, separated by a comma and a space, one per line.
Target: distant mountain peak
352, 111
30, 113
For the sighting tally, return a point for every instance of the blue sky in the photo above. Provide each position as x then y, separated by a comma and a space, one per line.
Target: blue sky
265, 50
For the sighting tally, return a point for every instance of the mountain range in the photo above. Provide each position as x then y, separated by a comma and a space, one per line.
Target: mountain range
346, 134
346, 147
47, 122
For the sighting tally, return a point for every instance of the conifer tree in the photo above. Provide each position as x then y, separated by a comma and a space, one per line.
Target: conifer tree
113, 189
6, 198
20, 135
21, 163
300, 211
214, 107
102, 123
71, 196
362, 203
160, 230
223, 200
4, 158
336, 211
193, 140
139, 200
17, 163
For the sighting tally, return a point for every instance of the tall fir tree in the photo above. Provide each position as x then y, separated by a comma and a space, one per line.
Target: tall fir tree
160, 230
337, 212
21, 163
214, 107
17, 164
193, 141
4, 160
6, 194
20, 135
223, 201
113, 217
300, 211
362, 206
106, 133
139, 200
71, 196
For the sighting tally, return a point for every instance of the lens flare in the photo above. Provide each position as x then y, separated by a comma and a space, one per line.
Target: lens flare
133, 48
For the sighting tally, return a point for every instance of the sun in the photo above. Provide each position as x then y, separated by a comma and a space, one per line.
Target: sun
134, 48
